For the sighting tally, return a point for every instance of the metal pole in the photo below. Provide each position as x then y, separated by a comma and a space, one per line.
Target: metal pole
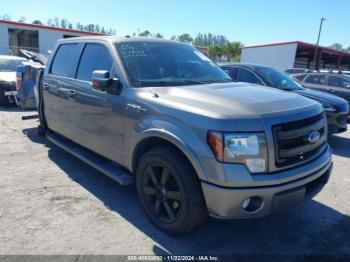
318, 41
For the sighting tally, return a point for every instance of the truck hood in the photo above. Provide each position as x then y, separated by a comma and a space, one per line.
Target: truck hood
8, 77
230, 100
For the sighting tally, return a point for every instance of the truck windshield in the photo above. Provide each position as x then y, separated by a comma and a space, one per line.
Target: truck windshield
278, 79
168, 64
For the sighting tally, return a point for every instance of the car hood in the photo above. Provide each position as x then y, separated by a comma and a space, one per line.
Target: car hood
230, 100
322, 97
8, 77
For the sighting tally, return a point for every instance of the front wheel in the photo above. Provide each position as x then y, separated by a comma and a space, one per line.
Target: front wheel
170, 192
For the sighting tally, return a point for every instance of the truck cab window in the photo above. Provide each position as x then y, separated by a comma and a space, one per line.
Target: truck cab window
94, 57
64, 59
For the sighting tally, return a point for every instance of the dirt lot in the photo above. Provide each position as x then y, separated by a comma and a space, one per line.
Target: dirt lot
52, 203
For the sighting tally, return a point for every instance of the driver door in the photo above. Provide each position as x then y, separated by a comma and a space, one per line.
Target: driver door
97, 117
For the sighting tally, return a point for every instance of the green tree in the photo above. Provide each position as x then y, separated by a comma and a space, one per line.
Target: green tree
158, 35
210, 39
145, 33
56, 21
64, 23
215, 51
49, 22
6, 17
186, 38
233, 51
337, 46
37, 22
79, 26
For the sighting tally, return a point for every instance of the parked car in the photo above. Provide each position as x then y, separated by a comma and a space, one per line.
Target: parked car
334, 83
8, 91
298, 70
163, 115
337, 109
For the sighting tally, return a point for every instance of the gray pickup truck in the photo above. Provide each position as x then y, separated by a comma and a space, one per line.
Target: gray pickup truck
162, 115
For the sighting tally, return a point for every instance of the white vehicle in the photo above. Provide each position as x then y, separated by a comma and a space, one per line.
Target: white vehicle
8, 65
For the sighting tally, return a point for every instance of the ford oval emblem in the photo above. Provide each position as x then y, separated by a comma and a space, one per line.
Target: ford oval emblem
314, 136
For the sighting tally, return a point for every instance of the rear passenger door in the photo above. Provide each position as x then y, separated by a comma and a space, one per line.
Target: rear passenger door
57, 83
97, 117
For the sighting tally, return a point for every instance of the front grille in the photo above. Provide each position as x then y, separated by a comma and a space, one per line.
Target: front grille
292, 143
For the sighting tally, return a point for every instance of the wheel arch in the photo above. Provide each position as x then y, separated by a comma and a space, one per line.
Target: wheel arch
157, 138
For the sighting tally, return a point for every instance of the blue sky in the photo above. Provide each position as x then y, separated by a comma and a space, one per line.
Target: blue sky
250, 21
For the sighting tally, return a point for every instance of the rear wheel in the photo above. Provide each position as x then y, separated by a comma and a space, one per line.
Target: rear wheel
170, 192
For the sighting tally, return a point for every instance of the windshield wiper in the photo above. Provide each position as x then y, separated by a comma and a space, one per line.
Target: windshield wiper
172, 81
223, 80
189, 81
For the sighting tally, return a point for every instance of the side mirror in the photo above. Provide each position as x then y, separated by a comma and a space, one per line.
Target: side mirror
102, 81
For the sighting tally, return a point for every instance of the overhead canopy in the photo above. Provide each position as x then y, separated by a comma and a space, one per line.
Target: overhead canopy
297, 54
327, 58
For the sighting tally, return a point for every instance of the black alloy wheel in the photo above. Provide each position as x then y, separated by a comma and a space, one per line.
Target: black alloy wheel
162, 192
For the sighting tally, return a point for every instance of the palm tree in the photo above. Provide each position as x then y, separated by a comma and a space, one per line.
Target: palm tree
233, 50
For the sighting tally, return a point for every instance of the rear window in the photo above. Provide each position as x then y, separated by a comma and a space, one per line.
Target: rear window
64, 60
316, 79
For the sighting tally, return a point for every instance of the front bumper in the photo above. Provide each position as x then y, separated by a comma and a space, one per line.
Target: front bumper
227, 202
4, 89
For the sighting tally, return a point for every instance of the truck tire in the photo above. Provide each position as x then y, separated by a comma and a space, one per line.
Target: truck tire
42, 128
170, 191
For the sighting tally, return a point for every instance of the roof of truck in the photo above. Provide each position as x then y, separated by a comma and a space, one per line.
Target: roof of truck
126, 38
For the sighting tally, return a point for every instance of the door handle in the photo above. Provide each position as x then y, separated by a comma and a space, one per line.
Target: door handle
331, 90
71, 93
46, 86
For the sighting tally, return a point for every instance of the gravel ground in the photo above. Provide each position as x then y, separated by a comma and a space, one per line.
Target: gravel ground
52, 203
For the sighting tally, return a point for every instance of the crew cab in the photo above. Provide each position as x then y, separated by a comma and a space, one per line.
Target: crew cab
162, 115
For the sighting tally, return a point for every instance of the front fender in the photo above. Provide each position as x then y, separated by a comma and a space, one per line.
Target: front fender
192, 144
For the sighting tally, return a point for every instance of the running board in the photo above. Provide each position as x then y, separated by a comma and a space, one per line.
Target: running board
105, 166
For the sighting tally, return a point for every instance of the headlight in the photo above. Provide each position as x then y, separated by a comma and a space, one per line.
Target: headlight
244, 148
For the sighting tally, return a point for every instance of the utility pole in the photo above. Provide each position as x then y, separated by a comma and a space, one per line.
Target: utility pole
318, 41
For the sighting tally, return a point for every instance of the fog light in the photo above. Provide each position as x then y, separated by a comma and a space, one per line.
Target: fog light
252, 204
